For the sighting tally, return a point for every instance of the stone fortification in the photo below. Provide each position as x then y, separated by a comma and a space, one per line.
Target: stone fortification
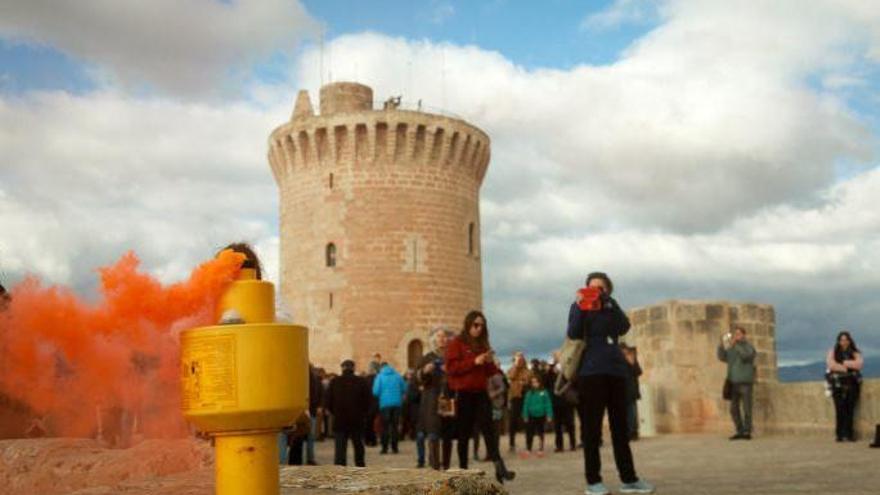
677, 343
380, 223
683, 378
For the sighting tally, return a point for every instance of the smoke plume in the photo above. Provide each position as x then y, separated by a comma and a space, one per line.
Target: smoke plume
85, 367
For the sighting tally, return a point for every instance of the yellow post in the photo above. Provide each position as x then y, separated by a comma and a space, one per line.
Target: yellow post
246, 464
242, 383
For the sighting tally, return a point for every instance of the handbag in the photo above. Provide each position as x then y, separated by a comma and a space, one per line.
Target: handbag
447, 406
727, 390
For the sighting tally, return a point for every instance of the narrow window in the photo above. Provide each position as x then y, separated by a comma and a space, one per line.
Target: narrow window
331, 180
331, 300
331, 255
415, 258
471, 239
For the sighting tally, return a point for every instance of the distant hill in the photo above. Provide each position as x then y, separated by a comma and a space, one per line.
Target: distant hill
816, 371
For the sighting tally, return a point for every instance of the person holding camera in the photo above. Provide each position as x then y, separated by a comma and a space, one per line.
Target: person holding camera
596, 318
844, 363
739, 355
469, 366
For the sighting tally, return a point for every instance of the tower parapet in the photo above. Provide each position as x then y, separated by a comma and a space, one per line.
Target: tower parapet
380, 224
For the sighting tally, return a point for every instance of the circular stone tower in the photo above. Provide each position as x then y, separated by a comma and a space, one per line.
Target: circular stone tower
380, 224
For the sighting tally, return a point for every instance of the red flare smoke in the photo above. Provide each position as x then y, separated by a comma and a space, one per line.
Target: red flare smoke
73, 362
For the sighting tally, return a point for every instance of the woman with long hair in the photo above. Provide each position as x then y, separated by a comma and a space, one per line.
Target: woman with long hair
469, 366
601, 383
844, 362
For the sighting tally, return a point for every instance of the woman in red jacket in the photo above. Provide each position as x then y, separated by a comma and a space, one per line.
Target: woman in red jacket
469, 365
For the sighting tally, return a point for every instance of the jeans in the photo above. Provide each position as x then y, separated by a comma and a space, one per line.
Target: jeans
741, 398
340, 454
535, 426
474, 409
390, 424
597, 393
282, 448
421, 436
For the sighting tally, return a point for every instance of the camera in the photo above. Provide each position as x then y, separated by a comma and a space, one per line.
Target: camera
591, 299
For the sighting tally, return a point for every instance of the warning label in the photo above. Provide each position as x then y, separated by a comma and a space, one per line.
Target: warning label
208, 372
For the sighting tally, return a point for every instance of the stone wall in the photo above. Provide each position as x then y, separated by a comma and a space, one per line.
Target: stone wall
397, 194
677, 343
803, 408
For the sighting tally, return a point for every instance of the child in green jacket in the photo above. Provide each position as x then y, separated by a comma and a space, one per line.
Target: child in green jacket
537, 410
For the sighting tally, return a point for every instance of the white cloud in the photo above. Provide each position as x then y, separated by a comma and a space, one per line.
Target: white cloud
701, 164
189, 48
85, 178
622, 12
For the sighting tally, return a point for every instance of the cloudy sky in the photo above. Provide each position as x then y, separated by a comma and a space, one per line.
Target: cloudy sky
689, 148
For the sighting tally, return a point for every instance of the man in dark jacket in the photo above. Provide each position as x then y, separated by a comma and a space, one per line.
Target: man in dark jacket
348, 400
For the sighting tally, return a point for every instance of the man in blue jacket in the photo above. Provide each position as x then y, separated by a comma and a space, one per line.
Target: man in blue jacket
390, 388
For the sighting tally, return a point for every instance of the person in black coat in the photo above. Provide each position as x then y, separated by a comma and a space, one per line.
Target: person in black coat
348, 400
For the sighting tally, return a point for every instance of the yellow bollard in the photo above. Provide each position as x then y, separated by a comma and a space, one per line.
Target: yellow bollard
246, 464
242, 383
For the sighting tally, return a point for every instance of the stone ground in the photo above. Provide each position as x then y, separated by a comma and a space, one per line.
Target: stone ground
691, 464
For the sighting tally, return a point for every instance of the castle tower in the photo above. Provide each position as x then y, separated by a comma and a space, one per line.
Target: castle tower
380, 224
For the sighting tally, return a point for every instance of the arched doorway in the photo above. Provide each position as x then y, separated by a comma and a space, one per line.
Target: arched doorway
414, 352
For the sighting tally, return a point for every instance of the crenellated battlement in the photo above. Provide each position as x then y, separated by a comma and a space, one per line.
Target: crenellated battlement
371, 137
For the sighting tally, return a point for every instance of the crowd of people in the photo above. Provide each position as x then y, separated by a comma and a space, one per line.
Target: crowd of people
457, 394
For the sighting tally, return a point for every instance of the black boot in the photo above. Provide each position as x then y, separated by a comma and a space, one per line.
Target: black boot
501, 472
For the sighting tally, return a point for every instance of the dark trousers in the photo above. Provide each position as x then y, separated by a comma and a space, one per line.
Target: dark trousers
390, 424
342, 436
474, 409
597, 393
632, 419
845, 409
295, 457
535, 426
563, 419
741, 398
515, 419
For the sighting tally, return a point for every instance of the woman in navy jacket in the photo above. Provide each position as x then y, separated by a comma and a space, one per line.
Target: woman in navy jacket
601, 384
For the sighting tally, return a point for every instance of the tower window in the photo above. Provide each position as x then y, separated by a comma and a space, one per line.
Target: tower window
331, 300
330, 254
471, 232
331, 180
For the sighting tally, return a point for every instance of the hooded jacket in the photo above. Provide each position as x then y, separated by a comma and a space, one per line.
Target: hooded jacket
389, 387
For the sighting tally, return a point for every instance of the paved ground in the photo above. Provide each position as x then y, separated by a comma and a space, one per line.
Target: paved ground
692, 464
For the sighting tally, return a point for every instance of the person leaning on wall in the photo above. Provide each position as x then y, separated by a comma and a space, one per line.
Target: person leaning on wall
844, 362
739, 355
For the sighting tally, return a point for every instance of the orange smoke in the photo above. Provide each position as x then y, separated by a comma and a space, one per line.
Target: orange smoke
79, 365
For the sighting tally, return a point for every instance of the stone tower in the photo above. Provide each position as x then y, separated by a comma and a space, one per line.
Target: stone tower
380, 223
